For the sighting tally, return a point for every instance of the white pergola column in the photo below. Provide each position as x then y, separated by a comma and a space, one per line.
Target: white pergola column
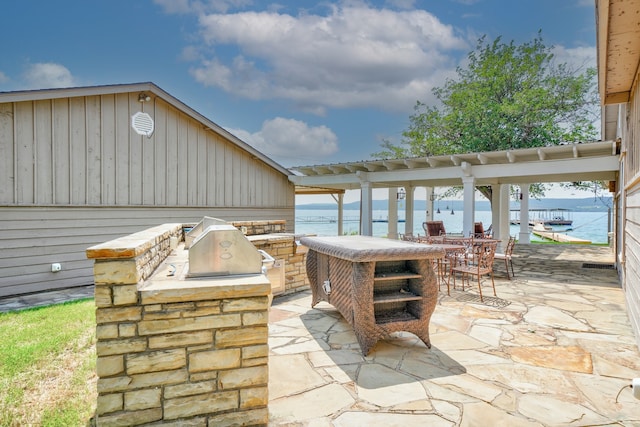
392, 226
366, 209
500, 213
340, 214
366, 204
524, 215
429, 203
408, 210
469, 204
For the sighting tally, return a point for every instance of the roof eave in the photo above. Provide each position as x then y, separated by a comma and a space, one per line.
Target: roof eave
617, 35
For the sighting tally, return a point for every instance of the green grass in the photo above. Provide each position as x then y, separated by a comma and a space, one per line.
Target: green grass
47, 361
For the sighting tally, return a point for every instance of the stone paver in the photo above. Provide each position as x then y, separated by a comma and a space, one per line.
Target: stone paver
386, 419
383, 386
316, 403
554, 349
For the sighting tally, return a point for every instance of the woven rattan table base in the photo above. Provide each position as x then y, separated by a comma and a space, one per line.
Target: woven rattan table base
351, 291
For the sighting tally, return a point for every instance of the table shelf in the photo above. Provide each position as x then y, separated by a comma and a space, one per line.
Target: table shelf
393, 317
381, 277
395, 296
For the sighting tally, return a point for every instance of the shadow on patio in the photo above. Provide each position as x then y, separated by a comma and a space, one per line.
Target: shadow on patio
557, 350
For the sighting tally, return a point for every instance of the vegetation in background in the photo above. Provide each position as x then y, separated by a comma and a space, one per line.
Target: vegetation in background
508, 97
47, 365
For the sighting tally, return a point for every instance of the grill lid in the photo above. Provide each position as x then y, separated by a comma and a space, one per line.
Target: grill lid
199, 228
222, 250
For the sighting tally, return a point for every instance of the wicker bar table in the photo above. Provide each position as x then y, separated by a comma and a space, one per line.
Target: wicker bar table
379, 285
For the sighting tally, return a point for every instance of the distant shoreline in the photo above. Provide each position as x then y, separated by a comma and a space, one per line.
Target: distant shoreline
587, 204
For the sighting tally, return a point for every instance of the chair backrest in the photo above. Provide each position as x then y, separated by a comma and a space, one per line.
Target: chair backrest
510, 244
462, 241
407, 237
434, 239
485, 255
478, 230
434, 228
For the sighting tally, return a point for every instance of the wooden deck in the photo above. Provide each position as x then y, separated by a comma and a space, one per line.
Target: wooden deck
558, 237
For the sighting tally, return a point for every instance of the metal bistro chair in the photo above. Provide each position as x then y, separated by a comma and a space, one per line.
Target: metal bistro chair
478, 230
482, 265
456, 257
434, 228
488, 233
507, 255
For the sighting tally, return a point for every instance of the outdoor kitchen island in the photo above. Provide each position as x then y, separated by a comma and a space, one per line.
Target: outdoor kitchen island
379, 285
181, 335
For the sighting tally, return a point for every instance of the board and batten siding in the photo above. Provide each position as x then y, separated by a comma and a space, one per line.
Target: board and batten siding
74, 173
83, 151
631, 225
34, 238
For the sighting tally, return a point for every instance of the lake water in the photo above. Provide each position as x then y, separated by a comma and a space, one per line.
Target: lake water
586, 225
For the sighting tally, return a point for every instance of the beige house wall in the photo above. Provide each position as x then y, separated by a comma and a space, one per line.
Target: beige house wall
74, 173
630, 256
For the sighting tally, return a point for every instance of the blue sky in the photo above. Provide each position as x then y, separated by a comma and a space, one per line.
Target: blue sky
304, 82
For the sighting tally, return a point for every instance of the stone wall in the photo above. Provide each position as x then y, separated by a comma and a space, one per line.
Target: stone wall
175, 351
284, 247
251, 228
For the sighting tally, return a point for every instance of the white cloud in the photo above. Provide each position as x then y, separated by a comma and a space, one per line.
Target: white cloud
290, 140
578, 58
402, 4
190, 53
355, 56
3, 77
48, 75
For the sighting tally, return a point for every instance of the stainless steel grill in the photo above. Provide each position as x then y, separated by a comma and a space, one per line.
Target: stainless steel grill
199, 228
222, 250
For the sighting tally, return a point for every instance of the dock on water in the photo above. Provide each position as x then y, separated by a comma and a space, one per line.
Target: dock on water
540, 231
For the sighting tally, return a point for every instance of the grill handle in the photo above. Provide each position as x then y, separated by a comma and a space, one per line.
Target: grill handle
267, 261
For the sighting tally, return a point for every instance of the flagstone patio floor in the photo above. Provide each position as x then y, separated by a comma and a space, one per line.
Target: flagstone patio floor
555, 348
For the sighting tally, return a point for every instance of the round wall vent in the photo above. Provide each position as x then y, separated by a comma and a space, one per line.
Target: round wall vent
142, 123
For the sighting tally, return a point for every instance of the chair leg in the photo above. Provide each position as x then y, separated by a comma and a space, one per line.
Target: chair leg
511, 263
452, 274
493, 284
444, 275
441, 273
448, 278
506, 266
480, 289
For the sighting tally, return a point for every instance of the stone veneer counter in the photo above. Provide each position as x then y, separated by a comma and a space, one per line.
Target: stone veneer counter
170, 349
170, 283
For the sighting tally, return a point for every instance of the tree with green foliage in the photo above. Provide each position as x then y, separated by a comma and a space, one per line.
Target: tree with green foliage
509, 96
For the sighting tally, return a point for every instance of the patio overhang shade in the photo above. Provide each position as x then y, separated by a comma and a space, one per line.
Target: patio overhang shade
561, 163
302, 190
618, 39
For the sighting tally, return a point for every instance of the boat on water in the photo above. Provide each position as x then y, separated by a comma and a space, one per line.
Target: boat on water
558, 216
